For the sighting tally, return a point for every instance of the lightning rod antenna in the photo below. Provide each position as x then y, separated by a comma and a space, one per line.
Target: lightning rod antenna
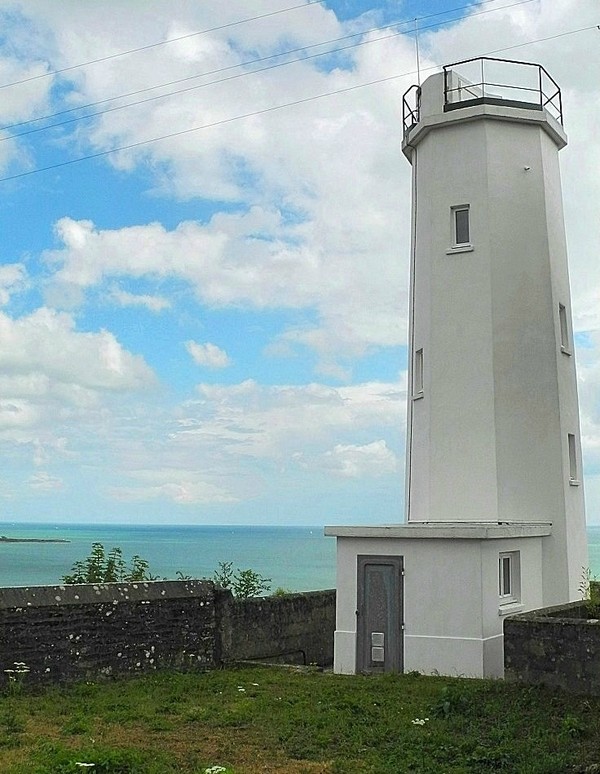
417, 50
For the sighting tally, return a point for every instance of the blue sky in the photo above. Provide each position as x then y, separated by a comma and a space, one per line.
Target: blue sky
211, 328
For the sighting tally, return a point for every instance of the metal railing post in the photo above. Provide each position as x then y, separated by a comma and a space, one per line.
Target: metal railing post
482, 79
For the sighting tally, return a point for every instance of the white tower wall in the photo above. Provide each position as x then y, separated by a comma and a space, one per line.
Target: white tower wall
488, 436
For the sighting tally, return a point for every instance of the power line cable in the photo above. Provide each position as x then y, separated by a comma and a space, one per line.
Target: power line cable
273, 108
261, 59
238, 75
160, 43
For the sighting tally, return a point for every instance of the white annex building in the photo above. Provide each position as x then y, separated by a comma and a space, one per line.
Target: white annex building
495, 520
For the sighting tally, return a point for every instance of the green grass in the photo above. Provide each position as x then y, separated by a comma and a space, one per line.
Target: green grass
282, 720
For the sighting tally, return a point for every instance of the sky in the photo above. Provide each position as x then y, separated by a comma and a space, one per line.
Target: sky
205, 220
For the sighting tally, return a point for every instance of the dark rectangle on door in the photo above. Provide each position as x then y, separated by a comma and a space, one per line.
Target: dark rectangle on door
380, 603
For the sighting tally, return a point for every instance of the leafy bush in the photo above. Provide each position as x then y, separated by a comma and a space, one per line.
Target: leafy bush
590, 592
451, 701
102, 567
243, 583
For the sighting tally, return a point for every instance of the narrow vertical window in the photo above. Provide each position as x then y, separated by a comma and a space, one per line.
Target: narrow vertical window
505, 575
573, 466
418, 374
565, 339
460, 217
509, 577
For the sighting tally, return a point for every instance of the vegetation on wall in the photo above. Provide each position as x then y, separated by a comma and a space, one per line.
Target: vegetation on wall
243, 583
101, 566
590, 592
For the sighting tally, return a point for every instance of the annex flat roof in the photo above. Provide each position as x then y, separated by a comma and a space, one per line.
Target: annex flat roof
475, 530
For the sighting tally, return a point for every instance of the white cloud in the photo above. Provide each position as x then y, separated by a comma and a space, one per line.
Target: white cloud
236, 441
46, 346
57, 384
248, 420
226, 265
353, 461
321, 187
153, 303
45, 482
17, 414
208, 355
13, 278
21, 103
180, 487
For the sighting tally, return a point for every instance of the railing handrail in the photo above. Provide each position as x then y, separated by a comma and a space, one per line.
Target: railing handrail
411, 114
546, 101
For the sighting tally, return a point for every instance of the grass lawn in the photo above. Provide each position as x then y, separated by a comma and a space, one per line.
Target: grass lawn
254, 720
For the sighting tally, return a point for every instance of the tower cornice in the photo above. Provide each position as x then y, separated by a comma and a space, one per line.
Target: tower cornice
472, 113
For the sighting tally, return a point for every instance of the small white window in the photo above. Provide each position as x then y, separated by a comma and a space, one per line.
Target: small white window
461, 226
573, 462
509, 577
565, 339
418, 382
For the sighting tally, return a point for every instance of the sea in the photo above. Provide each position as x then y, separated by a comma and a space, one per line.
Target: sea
294, 558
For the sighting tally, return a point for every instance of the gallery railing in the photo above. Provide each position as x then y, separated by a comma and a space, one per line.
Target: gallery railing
486, 80
411, 103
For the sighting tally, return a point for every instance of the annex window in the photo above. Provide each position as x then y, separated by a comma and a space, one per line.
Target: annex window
418, 378
461, 226
573, 462
509, 577
565, 339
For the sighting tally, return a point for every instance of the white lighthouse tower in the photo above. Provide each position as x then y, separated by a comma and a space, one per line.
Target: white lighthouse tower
495, 518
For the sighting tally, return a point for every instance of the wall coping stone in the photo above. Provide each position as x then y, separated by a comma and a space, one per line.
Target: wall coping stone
554, 613
102, 593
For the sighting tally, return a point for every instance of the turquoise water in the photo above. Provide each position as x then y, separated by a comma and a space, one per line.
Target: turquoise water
295, 558
594, 550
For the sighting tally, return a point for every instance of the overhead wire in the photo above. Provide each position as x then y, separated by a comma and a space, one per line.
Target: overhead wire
118, 54
273, 108
329, 52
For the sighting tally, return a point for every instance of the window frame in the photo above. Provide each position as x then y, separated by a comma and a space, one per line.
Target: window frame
574, 479
564, 330
456, 209
509, 577
418, 375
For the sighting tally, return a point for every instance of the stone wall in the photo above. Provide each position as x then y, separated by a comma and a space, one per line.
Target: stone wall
294, 628
555, 646
84, 632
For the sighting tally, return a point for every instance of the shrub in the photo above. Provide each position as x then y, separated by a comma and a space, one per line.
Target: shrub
243, 583
102, 567
590, 592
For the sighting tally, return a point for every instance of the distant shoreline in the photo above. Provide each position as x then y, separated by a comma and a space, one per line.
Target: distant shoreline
4, 539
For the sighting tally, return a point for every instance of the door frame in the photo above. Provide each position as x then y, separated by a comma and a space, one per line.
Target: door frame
397, 661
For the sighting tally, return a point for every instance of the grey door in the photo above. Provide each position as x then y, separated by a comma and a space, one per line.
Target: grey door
379, 645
